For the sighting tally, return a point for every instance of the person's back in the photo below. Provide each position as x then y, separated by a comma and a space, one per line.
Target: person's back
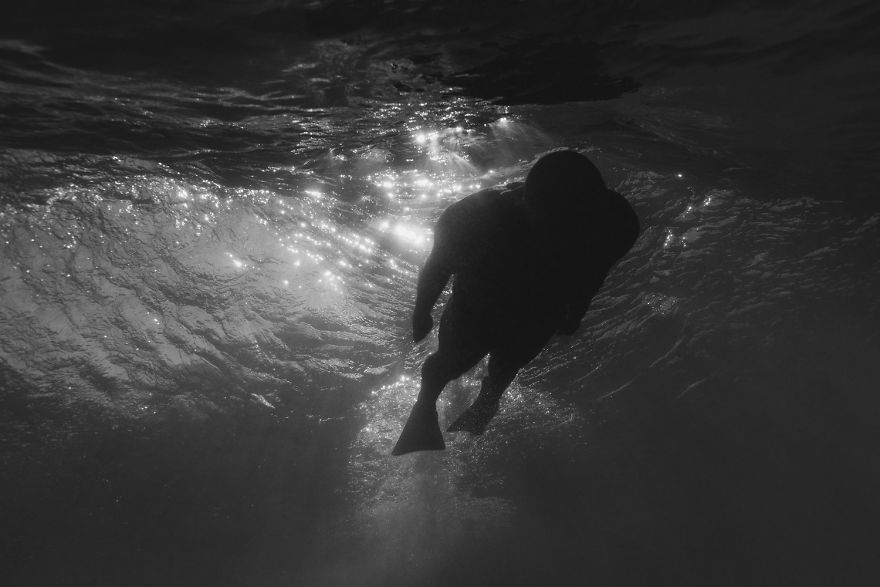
505, 265
526, 262
486, 241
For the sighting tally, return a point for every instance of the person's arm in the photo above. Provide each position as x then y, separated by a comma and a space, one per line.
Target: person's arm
433, 277
624, 231
579, 305
625, 226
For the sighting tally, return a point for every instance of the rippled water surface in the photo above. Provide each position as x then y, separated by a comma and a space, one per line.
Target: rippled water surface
206, 284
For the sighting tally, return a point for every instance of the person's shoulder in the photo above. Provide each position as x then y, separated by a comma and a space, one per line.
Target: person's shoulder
622, 218
512, 194
472, 206
489, 197
616, 205
616, 201
516, 188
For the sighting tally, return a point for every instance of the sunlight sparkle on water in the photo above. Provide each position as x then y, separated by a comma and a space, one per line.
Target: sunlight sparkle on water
412, 235
443, 169
238, 263
417, 184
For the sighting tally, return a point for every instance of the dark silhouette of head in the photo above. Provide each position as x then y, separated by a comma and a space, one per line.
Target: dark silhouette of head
563, 183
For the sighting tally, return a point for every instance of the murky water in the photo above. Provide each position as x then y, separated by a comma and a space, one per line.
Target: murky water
205, 357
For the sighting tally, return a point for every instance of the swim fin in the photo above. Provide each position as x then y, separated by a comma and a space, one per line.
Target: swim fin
421, 432
476, 418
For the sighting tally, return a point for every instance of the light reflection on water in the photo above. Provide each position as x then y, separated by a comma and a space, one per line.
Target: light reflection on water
338, 233
167, 244
147, 288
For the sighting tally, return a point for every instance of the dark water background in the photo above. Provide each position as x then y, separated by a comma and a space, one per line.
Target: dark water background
212, 218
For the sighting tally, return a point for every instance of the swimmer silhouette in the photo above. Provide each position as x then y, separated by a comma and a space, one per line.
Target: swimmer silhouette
527, 260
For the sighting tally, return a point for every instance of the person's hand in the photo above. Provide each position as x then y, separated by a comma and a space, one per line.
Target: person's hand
422, 325
569, 326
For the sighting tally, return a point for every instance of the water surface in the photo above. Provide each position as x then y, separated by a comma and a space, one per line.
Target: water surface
209, 260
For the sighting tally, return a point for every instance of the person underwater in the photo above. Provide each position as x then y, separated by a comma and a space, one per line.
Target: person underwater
527, 260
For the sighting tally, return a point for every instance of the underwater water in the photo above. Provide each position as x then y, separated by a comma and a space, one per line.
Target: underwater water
208, 265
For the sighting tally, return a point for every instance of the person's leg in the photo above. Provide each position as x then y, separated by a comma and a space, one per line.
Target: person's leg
462, 343
442, 367
461, 346
505, 361
501, 371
